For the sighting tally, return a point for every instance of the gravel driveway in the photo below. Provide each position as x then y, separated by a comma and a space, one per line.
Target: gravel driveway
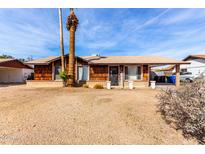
82, 116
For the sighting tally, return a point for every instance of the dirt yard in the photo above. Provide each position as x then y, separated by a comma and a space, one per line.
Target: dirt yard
82, 116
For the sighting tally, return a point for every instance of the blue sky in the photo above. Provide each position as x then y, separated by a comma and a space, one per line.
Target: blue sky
173, 33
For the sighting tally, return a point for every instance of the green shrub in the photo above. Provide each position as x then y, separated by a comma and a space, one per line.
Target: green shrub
63, 76
98, 86
185, 108
85, 86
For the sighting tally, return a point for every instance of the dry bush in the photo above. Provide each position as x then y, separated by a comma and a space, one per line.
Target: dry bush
185, 108
98, 86
85, 86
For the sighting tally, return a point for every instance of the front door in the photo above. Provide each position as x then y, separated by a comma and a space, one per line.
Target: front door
114, 75
57, 72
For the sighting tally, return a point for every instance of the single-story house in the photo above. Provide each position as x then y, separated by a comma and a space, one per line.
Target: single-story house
14, 71
94, 70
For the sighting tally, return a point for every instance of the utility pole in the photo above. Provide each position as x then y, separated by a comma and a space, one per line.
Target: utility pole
61, 40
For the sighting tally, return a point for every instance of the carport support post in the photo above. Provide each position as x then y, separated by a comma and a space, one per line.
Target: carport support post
177, 75
121, 76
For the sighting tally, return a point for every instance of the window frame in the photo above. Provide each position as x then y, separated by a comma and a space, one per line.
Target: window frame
184, 70
87, 72
141, 76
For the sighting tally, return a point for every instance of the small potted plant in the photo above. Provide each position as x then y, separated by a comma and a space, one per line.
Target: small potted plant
64, 77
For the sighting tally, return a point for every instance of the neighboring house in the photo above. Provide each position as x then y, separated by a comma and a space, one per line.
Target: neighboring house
14, 71
99, 69
196, 66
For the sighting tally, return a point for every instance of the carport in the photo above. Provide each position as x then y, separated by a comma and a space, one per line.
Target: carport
175, 65
13, 71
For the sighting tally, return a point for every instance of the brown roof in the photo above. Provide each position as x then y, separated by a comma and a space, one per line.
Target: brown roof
13, 63
43, 61
113, 60
190, 57
46, 61
131, 60
5, 60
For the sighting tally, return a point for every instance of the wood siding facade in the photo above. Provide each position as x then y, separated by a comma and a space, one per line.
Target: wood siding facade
98, 72
43, 72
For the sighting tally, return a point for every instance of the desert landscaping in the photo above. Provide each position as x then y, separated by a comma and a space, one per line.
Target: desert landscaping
83, 116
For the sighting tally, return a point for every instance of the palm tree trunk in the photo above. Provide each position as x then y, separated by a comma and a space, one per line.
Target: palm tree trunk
61, 40
71, 57
71, 25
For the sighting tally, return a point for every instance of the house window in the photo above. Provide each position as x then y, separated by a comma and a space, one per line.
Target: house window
184, 70
133, 72
83, 73
57, 72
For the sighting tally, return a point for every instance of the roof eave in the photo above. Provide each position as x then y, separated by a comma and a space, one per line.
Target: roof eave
37, 63
148, 63
26, 65
192, 57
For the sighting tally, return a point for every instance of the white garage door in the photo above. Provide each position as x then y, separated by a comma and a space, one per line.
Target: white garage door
11, 75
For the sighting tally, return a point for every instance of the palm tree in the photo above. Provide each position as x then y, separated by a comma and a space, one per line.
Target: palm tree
72, 23
61, 40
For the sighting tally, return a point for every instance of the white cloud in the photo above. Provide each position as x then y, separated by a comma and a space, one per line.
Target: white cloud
26, 32
181, 15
